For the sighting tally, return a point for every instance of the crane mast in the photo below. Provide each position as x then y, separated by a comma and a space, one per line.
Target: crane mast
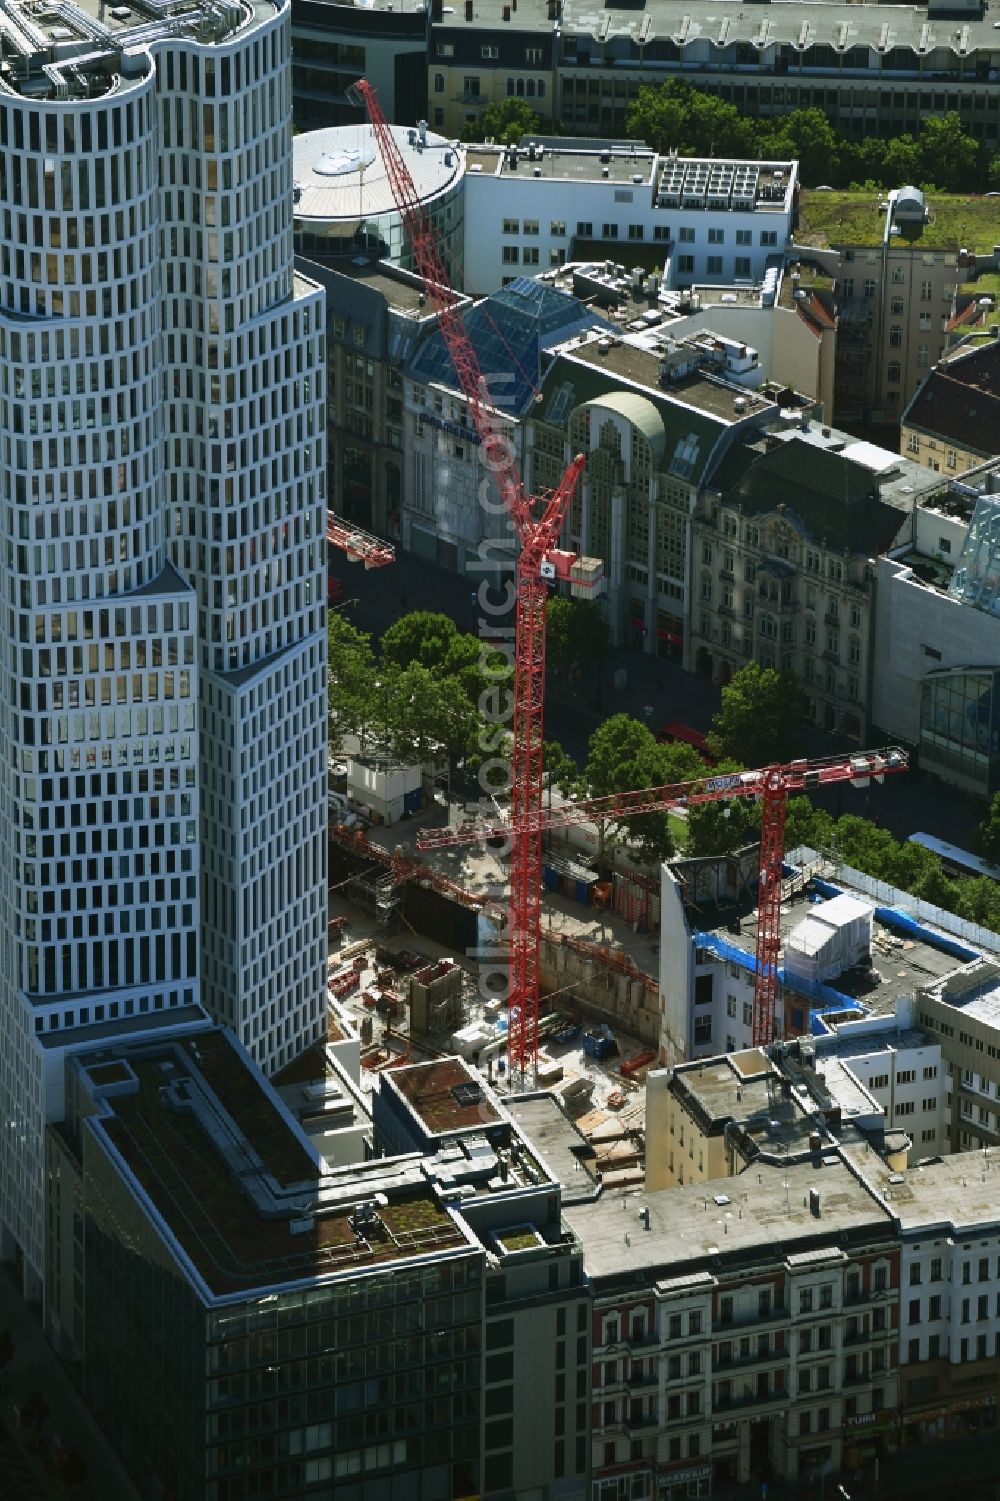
538, 534
770, 785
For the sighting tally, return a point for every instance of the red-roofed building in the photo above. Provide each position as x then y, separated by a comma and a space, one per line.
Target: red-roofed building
952, 422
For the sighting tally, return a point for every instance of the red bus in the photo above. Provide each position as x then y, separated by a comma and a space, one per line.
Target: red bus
683, 734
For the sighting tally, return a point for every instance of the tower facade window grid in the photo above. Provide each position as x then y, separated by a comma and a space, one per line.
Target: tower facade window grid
161, 637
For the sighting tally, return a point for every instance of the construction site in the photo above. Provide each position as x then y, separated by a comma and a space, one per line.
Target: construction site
407, 938
529, 964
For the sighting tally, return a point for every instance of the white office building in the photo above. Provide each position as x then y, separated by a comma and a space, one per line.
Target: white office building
715, 221
162, 453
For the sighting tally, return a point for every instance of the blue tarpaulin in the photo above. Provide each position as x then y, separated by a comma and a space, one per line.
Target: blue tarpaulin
905, 922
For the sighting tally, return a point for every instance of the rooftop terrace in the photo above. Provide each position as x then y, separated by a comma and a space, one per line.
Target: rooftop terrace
219, 1162
959, 1193
446, 1095
401, 291
81, 43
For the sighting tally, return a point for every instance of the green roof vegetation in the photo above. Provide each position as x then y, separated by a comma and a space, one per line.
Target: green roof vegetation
985, 285
855, 219
839, 219
521, 1239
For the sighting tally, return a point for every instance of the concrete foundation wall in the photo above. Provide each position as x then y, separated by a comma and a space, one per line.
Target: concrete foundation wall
604, 994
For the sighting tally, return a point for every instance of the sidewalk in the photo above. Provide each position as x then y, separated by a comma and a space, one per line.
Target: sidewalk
29, 1469
969, 1466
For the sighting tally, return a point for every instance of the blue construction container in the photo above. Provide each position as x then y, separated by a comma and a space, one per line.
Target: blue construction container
599, 1042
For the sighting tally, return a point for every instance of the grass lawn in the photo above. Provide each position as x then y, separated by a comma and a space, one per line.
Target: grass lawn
678, 828
855, 219
988, 284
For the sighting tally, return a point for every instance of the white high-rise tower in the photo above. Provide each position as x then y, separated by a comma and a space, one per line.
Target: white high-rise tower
162, 495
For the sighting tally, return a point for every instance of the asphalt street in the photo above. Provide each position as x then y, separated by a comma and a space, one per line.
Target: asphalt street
655, 691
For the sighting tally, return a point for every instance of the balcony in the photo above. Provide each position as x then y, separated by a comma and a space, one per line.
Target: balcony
724, 1328
641, 1422
641, 1383
743, 1362
740, 1401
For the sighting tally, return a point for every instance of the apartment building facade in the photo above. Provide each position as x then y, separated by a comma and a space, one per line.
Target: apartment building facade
164, 467
653, 423
450, 504
336, 42
783, 544
952, 423
716, 1364
935, 60
937, 632
899, 263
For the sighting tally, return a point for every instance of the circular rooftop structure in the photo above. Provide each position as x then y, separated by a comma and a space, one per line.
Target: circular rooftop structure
343, 198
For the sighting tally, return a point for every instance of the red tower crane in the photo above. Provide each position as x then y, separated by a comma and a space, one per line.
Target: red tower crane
537, 522
360, 546
771, 786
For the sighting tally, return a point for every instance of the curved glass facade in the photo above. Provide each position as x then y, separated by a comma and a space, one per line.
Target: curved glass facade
960, 727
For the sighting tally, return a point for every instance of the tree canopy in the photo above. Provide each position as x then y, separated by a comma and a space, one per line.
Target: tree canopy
988, 839
505, 120
350, 678
719, 828
577, 635
623, 756
757, 722
677, 115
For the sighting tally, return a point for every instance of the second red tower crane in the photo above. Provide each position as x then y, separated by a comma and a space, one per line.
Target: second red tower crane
771, 785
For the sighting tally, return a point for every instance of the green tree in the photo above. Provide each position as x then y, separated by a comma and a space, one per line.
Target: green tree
993, 173
674, 115
948, 156
758, 720
807, 136
622, 756
507, 120
901, 162
577, 636
988, 834
980, 901
806, 824
424, 636
719, 828
560, 770
428, 714
433, 640
351, 675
